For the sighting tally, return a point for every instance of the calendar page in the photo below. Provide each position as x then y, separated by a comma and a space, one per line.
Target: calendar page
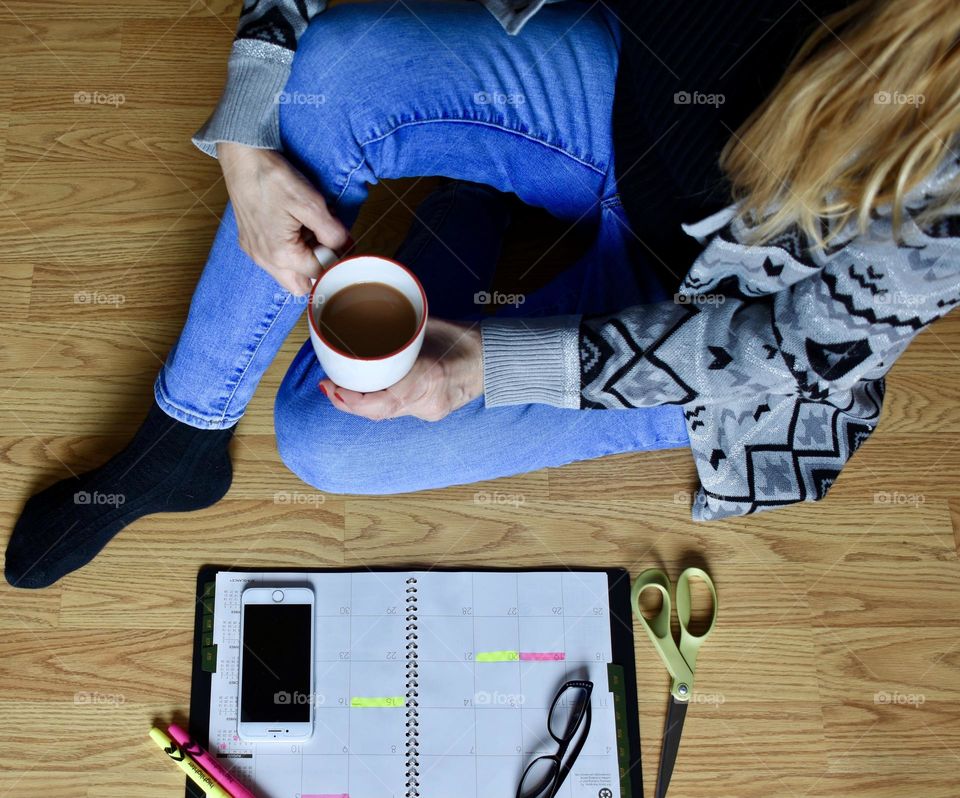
428, 684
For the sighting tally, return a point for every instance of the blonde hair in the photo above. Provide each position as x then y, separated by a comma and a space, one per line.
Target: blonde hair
865, 112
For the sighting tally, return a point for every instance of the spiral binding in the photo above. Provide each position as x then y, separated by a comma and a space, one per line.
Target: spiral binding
412, 697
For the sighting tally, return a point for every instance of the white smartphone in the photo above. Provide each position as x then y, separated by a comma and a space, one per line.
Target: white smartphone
276, 664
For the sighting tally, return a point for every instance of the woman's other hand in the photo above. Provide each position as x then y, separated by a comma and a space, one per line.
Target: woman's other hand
273, 204
448, 374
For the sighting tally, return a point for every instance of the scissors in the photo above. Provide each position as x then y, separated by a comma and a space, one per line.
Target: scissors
681, 661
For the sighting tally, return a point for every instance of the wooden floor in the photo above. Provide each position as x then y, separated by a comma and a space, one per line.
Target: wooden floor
835, 667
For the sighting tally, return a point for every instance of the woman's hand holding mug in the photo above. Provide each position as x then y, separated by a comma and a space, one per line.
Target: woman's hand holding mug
447, 375
273, 204
436, 371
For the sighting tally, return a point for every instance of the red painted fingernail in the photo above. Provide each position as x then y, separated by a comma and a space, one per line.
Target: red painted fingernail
337, 394
323, 390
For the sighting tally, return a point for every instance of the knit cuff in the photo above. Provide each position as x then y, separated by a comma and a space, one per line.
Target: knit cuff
532, 361
249, 108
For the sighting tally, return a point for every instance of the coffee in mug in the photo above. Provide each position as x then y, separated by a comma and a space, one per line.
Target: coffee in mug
368, 319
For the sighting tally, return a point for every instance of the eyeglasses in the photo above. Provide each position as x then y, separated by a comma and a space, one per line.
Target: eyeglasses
569, 713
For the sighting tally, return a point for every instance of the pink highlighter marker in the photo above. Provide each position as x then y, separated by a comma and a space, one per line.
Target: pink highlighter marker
208, 763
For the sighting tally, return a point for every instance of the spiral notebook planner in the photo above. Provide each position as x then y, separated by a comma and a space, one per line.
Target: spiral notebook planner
427, 683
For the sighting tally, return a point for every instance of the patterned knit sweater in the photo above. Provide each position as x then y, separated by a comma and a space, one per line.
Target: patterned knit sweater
776, 353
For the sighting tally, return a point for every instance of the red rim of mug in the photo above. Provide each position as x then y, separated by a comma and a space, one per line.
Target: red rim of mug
338, 350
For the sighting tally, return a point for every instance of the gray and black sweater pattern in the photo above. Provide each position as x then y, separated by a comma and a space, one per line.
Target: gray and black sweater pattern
777, 353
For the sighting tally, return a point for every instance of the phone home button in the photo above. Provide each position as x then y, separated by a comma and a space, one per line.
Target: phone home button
278, 595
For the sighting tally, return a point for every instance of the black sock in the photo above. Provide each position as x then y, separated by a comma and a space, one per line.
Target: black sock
168, 467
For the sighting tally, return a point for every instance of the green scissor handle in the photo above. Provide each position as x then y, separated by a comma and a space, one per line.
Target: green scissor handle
680, 661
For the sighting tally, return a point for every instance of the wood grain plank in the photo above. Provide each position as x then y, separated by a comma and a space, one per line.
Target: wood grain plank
141, 666
859, 587
147, 87
955, 516
891, 666
46, 189
893, 740
58, 44
121, 9
631, 533
922, 401
150, 44
74, 135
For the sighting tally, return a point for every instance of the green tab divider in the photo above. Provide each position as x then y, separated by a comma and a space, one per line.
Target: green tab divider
618, 689
208, 651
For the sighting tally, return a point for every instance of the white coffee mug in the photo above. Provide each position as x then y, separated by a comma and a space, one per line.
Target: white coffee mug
364, 374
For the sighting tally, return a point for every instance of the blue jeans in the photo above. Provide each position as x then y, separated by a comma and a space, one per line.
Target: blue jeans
389, 91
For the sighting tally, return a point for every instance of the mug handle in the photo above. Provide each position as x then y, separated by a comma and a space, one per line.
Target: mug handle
325, 256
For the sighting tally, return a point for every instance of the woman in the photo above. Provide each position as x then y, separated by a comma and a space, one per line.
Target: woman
769, 360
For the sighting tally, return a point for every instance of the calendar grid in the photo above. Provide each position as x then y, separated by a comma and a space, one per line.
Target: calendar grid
494, 647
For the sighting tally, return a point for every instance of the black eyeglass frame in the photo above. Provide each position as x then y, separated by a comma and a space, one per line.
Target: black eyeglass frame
561, 768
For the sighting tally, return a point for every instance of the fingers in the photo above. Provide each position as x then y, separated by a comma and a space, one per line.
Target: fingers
312, 212
402, 399
280, 223
299, 258
376, 406
294, 282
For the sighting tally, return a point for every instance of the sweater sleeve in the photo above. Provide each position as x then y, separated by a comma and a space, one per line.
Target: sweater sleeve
249, 108
779, 388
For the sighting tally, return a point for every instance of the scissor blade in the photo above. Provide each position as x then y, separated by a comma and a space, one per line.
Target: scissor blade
671, 744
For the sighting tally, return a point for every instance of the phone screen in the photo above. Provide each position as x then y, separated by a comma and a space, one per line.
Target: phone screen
276, 663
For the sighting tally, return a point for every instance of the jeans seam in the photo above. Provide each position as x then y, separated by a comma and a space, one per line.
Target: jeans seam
348, 180
483, 123
239, 379
158, 387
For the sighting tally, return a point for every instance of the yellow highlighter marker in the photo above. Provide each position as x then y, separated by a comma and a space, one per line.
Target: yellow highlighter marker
197, 774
